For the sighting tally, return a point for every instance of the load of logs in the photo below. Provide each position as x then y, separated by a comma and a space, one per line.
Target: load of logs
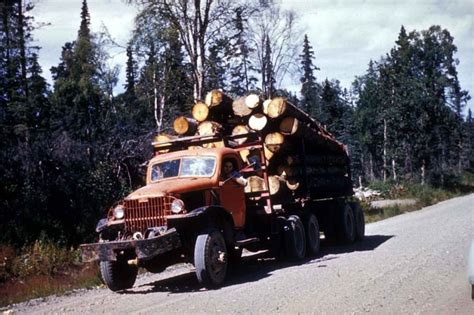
303, 159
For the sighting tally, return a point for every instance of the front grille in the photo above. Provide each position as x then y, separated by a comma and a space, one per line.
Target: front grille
144, 213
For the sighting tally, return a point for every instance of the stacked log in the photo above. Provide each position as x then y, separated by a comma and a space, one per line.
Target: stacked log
302, 158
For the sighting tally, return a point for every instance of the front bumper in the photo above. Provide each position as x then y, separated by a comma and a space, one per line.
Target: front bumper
144, 249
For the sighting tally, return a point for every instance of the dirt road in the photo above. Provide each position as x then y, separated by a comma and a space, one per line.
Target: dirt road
412, 263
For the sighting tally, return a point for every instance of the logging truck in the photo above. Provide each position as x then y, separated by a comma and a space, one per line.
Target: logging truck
220, 186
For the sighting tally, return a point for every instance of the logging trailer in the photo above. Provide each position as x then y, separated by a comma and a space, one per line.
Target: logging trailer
190, 212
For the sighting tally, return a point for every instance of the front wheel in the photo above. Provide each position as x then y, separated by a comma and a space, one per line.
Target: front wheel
210, 258
118, 275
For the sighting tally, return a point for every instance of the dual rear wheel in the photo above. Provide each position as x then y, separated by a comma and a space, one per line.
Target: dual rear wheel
301, 237
348, 225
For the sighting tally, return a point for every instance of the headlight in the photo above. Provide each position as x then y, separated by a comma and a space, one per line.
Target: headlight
119, 212
177, 206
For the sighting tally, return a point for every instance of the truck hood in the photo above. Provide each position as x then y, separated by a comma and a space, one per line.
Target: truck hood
177, 185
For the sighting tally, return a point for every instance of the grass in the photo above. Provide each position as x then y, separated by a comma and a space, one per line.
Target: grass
42, 269
425, 195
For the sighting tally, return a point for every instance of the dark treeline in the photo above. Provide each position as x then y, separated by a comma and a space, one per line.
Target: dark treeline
70, 150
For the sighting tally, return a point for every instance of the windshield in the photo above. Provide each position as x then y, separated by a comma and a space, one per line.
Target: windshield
202, 166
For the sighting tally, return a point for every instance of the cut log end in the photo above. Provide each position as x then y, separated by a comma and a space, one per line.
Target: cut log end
255, 184
252, 101
257, 122
184, 126
216, 98
274, 141
207, 128
240, 108
240, 130
161, 140
200, 111
276, 107
289, 126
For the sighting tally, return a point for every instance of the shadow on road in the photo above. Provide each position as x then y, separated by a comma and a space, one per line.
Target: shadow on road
257, 266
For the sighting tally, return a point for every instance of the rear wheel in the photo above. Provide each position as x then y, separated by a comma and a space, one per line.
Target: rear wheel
118, 275
295, 239
346, 225
312, 235
359, 221
210, 258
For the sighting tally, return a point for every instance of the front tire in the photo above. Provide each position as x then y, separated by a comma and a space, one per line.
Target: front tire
118, 275
210, 258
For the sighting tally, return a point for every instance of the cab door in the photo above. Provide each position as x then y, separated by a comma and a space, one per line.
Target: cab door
232, 195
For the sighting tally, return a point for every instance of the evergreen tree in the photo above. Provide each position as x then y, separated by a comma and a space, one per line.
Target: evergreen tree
130, 75
309, 86
217, 66
268, 77
241, 67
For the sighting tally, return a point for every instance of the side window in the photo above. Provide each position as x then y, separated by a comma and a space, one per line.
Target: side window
229, 166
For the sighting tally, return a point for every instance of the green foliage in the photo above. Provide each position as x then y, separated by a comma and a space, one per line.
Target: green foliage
409, 111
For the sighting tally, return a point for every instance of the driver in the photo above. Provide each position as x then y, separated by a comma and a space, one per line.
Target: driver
229, 172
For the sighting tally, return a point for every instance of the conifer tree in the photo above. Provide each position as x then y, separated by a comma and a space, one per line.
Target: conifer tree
242, 79
268, 78
309, 86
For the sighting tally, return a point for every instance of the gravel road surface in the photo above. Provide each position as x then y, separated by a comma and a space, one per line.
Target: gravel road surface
412, 263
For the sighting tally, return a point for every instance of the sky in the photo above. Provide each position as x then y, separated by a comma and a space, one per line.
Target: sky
345, 34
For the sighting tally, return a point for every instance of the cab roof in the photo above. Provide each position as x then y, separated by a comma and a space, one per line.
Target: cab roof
217, 152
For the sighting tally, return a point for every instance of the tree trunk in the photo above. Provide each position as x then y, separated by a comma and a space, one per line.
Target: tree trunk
384, 150
394, 171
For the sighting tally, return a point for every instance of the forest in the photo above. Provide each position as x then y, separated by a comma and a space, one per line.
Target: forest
71, 149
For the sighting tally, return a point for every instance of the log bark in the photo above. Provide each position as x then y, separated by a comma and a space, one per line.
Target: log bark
185, 126
240, 108
200, 111
265, 105
257, 122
